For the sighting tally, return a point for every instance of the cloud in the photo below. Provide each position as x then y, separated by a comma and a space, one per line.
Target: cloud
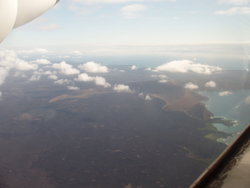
132, 11
191, 86
62, 82
53, 77
65, 68
42, 62
73, 88
247, 100
210, 84
225, 93
148, 98
1, 95
93, 67
234, 11
234, 2
100, 81
185, 66
49, 27
10, 61
35, 77
120, 88
163, 81
133, 67
3, 75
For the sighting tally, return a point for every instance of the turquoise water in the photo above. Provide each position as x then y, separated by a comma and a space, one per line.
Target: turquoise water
233, 111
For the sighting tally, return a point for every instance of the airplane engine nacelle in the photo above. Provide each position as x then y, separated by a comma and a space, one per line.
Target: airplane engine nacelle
14, 13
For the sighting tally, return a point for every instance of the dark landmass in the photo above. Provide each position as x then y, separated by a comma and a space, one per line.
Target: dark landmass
94, 138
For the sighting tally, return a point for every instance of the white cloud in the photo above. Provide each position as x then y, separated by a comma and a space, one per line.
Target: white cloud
141, 94
1, 94
35, 77
100, 81
133, 67
185, 66
120, 88
234, 11
235, 2
225, 93
65, 68
62, 81
10, 61
84, 78
3, 75
163, 81
132, 11
247, 100
73, 88
53, 77
93, 67
191, 86
210, 84
42, 62
148, 98
24, 65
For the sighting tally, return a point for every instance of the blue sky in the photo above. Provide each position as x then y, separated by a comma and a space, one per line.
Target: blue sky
111, 24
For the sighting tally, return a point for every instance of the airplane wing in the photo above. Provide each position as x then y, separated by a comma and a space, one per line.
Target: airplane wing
14, 13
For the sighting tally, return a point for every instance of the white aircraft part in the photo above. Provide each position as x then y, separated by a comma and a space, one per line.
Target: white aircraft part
31, 9
8, 12
14, 13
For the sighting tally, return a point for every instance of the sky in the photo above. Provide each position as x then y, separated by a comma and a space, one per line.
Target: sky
99, 26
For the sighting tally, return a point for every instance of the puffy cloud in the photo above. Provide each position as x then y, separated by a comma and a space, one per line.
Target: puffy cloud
42, 62
24, 65
141, 94
234, 11
9, 61
3, 75
93, 67
185, 66
163, 81
148, 98
132, 11
35, 77
133, 67
122, 88
247, 100
62, 82
235, 2
73, 88
65, 68
100, 81
84, 78
53, 77
225, 93
191, 86
210, 84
